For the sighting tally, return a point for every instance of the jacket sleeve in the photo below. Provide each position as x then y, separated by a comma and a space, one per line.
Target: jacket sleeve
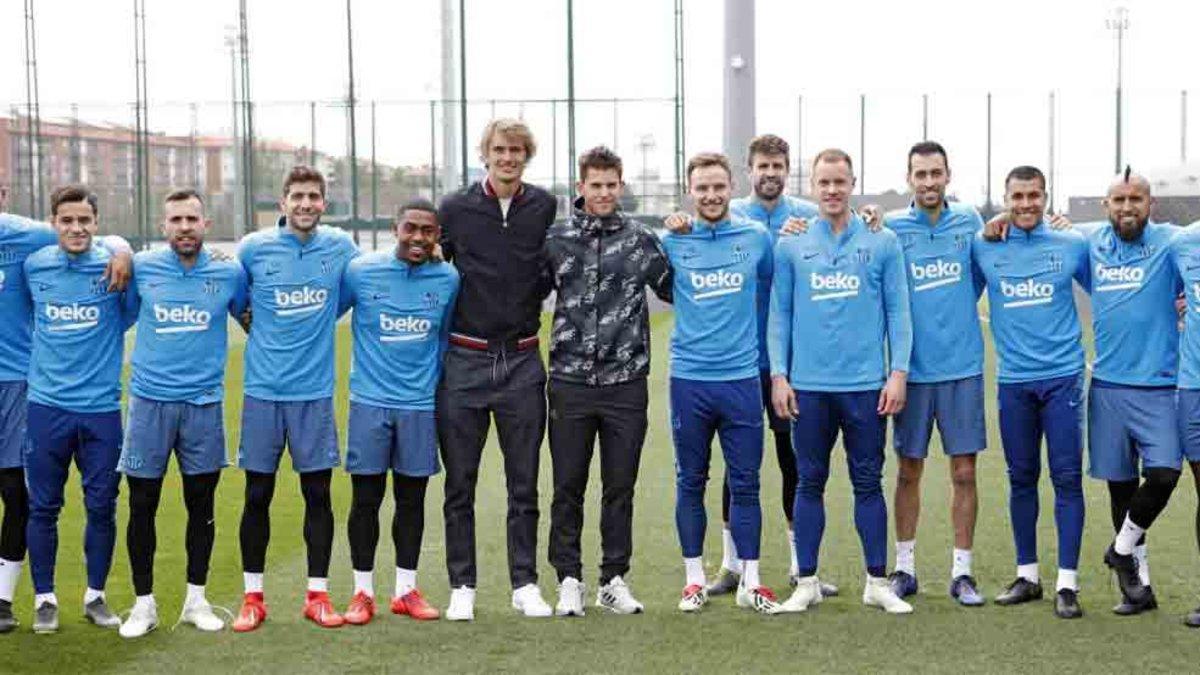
659, 275
779, 319
895, 303
445, 216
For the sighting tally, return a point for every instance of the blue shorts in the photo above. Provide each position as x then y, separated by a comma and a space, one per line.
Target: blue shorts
1128, 423
379, 439
154, 428
307, 428
1188, 412
14, 415
956, 405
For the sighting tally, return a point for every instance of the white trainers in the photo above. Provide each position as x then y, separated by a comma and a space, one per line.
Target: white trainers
462, 604
200, 614
528, 601
878, 593
570, 598
143, 618
616, 597
761, 599
694, 598
808, 592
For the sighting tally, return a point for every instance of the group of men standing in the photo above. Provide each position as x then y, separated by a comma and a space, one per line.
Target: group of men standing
828, 321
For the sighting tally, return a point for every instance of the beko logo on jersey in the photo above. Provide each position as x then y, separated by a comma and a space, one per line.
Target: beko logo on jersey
403, 328
935, 274
185, 319
1118, 278
1026, 293
72, 317
300, 301
833, 286
714, 284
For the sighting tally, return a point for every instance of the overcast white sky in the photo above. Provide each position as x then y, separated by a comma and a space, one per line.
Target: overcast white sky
827, 51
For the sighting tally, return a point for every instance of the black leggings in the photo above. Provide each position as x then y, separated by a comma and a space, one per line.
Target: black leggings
255, 531
141, 538
408, 519
16, 514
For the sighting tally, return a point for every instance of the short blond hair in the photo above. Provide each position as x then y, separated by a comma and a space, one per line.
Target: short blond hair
509, 127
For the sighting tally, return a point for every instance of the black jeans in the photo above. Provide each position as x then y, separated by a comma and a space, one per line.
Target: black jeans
578, 413
476, 386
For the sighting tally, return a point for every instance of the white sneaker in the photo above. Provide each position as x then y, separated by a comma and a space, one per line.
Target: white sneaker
462, 604
143, 618
570, 597
808, 592
200, 614
694, 598
761, 599
528, 601
878, 593
616, 597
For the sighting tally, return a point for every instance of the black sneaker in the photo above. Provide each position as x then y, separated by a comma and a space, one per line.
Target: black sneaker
1192, 620
1066, 604
1019, 591
903, 584
1125, 567
727, 582
7, 621
45, 618
1128, 607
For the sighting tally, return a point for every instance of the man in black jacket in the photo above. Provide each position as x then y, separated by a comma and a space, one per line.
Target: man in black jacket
493, 231
600, 263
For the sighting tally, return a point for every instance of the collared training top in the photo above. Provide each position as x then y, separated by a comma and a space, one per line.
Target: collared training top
182, 331
839, 308
787, 207
78, 331
1134, 285
401, 326
719, 268
1031, 303
294, 301
942, 290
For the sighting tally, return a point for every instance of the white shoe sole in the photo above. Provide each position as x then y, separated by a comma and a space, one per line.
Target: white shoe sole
460, 617
142, 634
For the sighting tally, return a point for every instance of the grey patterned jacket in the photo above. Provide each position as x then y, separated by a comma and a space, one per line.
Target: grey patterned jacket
599, 268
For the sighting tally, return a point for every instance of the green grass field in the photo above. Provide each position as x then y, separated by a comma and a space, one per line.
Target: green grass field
840, 636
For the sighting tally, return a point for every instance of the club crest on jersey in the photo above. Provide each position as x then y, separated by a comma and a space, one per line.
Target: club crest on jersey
1054, 261
862, 256
326, 266
211, 287
962, 241
99, 286
431, 299
7, 255
740, 254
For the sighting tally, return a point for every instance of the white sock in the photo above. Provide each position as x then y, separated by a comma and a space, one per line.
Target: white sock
961, 563
795, 565
318, 585
1067, 579
145, 601
906, 556
10, 572
1029, 572
694, 569
1139, 554
45, 597
406, 581
364, 582
91, 594
750, 574
729, 554
253, 582
1128, 537
195, 595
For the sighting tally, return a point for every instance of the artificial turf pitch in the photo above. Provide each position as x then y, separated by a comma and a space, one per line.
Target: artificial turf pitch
839, 636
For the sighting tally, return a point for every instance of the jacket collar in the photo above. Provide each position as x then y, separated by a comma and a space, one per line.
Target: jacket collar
591, 224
